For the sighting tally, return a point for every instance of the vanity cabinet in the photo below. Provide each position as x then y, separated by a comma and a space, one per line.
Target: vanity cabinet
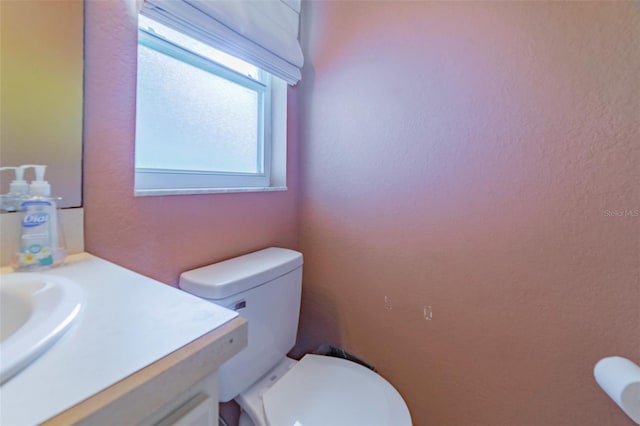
200, 410
175, 389
139, 353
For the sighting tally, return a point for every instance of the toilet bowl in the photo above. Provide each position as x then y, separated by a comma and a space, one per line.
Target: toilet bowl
272, 389
320, 390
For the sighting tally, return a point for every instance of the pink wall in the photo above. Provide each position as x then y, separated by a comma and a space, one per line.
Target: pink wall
474, 157
467, 156
159, 236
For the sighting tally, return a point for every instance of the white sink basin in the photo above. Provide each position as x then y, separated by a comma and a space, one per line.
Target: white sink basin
35, 310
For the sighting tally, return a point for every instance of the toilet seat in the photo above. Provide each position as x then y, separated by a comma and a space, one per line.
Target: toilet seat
321, 390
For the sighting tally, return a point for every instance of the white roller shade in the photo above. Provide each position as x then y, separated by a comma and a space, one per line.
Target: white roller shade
261, 32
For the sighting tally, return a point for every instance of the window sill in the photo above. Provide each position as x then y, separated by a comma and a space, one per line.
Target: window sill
194, 191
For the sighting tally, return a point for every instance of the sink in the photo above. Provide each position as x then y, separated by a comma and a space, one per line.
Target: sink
35, 311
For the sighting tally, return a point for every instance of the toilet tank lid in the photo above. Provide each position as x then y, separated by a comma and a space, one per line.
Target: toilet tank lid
232, 276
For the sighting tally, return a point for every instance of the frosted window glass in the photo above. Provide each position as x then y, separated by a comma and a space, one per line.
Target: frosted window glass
190, 119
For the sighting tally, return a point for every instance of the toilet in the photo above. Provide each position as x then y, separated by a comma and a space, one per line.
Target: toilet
273, 390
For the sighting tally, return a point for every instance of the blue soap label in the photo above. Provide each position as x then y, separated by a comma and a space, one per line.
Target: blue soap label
36, 242
31, 220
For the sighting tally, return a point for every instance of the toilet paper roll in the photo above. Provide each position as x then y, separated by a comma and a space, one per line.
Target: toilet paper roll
620, 379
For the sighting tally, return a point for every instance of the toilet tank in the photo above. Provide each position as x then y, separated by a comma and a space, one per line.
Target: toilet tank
265, 288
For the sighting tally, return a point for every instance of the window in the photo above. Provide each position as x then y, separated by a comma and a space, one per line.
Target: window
206, 121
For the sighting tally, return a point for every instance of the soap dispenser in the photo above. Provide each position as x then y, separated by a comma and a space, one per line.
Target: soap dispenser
40, 239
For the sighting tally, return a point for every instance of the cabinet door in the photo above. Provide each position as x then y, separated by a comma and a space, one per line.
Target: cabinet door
197, 406
201, 410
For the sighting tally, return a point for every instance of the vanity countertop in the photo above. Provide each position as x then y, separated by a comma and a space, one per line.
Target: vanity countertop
128, 322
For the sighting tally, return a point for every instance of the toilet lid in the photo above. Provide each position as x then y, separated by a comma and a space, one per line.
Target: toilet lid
321, 390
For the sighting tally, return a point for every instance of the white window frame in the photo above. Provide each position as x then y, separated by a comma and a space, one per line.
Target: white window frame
273, 94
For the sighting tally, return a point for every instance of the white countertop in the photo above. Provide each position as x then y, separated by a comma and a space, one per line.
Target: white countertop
128, 322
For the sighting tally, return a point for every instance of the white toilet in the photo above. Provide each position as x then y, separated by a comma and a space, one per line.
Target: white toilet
273, 390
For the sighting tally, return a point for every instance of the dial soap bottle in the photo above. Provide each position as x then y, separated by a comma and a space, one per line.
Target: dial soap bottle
40, 239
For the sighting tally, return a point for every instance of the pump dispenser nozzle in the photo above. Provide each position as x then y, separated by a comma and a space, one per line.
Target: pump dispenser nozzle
18, 188
39, 187
11, 168
18, 185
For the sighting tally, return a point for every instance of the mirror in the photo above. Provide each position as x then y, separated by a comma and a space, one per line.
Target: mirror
41, 70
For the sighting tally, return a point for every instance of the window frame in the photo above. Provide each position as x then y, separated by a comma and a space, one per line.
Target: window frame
174, 181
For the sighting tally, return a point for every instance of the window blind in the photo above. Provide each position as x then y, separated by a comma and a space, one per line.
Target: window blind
261, 32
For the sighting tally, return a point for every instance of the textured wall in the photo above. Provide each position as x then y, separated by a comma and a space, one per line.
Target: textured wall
159, 236
483, 159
